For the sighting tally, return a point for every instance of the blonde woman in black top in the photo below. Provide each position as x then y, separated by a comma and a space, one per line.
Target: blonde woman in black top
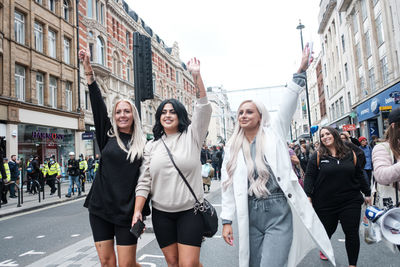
111, 199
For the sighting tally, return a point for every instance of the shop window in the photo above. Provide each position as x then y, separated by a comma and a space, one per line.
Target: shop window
19, 78
19, 27
53, 92
40, 88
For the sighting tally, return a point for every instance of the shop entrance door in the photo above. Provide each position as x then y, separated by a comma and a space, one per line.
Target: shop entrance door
373, 128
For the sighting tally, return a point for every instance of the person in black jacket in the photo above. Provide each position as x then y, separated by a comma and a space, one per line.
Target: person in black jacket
14, 170
35, 175
73, 174
333, 183
111, 199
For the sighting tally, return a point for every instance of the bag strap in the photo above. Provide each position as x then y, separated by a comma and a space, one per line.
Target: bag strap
396, 186
179, 171
318, 159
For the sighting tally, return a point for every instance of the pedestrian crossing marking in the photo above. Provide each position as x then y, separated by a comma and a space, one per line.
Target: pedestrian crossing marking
75, 235
341, 240
9, 237
40, 236
8, 263
150, 256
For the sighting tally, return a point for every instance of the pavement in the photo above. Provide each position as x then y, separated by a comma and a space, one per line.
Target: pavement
31, 201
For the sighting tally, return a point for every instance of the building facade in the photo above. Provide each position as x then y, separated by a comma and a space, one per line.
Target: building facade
359, 66
106, 28
39, 103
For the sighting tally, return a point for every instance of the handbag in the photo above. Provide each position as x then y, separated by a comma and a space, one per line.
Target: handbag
207, 210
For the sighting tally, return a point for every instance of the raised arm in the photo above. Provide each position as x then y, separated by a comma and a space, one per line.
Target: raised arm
289, 99
202, 112
101, 120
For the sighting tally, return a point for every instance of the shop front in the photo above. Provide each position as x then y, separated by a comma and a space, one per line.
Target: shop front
373, 114
91, 147
42, 141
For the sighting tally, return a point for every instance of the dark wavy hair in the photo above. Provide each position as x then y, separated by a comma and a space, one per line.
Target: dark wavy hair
341, 149
393, 137
184, 122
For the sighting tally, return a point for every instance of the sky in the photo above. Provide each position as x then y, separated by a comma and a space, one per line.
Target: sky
241, 44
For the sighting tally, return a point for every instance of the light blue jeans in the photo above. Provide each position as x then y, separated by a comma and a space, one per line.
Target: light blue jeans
271, 231
72, 180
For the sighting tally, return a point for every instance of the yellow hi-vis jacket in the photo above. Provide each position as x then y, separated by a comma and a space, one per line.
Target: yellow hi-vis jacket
83, 165
53, 169
43, 168
8, 173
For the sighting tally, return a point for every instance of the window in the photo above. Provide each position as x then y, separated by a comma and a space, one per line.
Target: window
67, 54
19, 82
384, 70
97, 10
100, 51
362, 85
154, 82
66, 10
364, 9
68, 96
305, 128
38, 35
177, 77
358, 54
341, 104
340, 78
349, 99
39, 88
343, 44
346, 71
368, 44
87, 100
379, 29
337, 109
52, 44
340, 18
38, 1
90, 8
91, 52
375, 2
52, 5
102, 13
355, 23
128, 37
53, 92
371, 75
325, 69
19, 27
128, 71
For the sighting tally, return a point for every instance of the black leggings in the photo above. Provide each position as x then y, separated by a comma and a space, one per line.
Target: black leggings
349, 218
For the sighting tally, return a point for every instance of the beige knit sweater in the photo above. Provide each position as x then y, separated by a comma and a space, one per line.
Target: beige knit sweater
161, 180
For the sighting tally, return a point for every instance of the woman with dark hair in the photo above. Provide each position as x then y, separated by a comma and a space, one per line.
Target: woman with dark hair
179, 231
333, 183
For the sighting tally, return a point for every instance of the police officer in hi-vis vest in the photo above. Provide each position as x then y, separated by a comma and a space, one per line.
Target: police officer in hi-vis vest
53, 172
83, 166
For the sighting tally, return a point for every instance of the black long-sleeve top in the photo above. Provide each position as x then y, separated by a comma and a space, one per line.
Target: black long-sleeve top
112, 196
336, 183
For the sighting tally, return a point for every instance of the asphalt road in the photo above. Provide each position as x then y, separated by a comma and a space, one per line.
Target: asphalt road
30, 237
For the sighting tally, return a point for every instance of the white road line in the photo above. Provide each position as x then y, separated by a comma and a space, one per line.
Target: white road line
150, 256
9, 237
40, 236
75, 235
217, 236
217, 205
148, 264
32, 252
8, 263
341, 240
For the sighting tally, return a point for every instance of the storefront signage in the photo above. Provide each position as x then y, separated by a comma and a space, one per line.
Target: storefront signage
383, 108
88, 136
388, 98
349, 127
51, 136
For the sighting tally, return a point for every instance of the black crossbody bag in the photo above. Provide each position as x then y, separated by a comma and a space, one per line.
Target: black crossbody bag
207, 211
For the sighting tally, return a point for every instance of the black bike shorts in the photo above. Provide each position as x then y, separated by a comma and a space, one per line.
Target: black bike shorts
104, 230
182, 227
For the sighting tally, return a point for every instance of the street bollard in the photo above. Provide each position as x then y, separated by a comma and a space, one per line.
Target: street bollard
19, 196
38, 184
43, 188
59, 188
21, 186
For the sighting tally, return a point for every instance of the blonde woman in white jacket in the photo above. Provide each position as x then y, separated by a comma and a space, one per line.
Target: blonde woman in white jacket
277, 225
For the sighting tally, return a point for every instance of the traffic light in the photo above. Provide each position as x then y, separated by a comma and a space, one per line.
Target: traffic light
143, 67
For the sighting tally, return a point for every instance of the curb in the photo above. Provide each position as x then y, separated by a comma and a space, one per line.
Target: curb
40, 206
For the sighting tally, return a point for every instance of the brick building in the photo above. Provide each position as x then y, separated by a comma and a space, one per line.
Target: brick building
39, 78
106, 28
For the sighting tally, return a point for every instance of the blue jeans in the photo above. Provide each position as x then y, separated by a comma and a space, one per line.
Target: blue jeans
90, 175
271, 231
72, 180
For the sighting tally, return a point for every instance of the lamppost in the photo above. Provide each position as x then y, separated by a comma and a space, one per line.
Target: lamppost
301, 27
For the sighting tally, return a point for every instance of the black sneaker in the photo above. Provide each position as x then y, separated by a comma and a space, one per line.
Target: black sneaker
67, 195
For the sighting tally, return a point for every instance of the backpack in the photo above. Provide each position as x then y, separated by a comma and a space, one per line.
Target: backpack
29, 169
205, 170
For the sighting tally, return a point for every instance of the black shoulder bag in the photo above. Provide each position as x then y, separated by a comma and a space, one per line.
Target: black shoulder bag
208, 212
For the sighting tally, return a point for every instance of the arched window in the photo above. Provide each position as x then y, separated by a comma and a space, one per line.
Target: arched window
100, 51
116, 64
66, 10
154, 83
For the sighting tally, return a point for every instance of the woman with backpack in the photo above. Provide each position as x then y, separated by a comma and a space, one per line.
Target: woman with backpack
334, 181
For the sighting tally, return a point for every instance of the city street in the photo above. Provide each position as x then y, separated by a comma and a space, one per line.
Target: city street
61, 236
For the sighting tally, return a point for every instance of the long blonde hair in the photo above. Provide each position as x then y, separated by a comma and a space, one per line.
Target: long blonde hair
136, 144
237, 142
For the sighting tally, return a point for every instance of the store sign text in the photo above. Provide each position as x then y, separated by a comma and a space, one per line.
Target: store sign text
51, 136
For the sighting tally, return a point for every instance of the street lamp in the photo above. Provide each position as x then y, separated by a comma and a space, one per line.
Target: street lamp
300, 27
